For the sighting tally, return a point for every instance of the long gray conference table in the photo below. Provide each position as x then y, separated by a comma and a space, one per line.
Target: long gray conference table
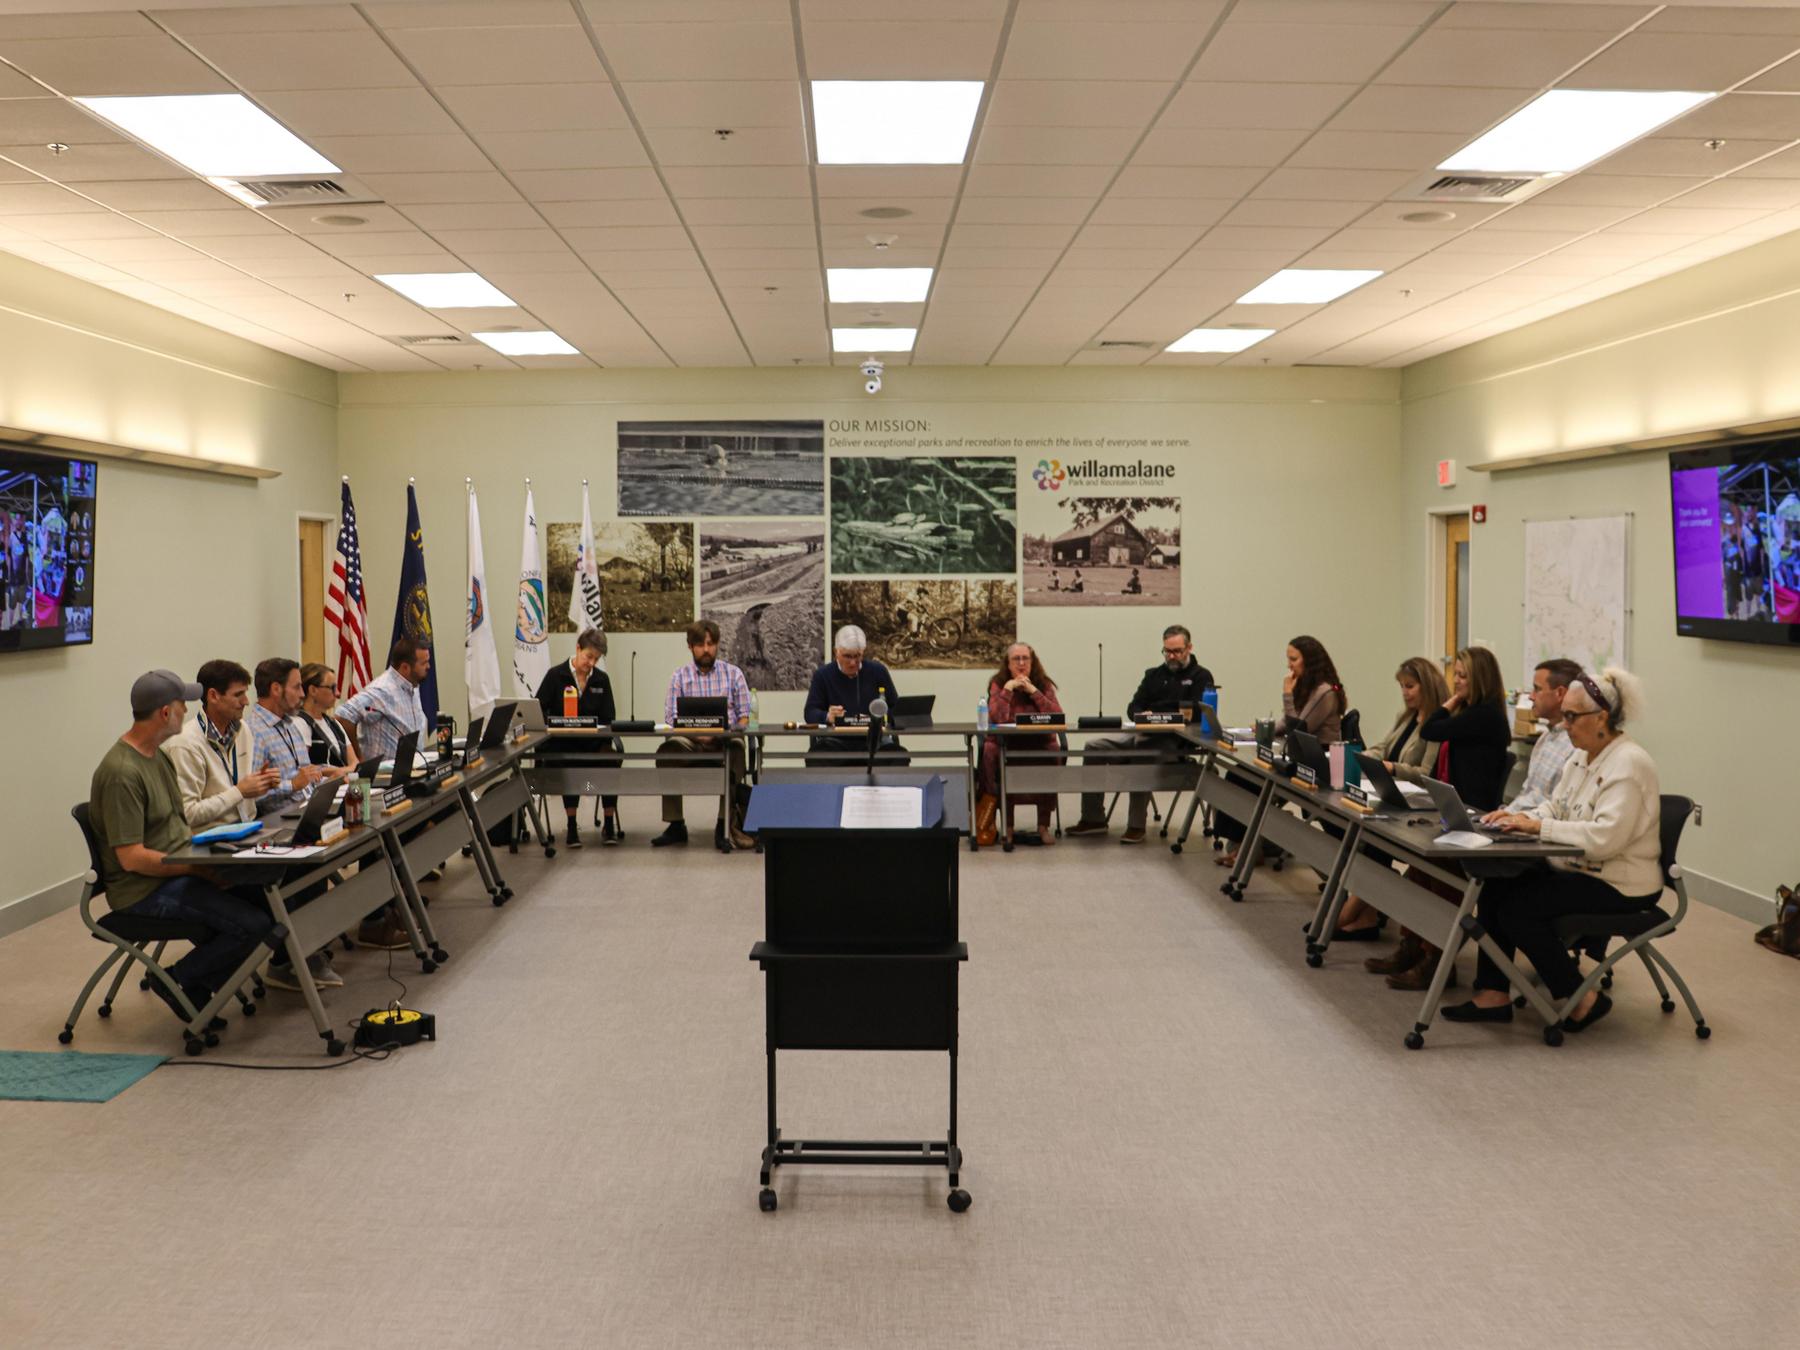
1168, 757
407, 838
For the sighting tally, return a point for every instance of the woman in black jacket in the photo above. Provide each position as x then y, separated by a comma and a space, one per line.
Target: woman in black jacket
593, 698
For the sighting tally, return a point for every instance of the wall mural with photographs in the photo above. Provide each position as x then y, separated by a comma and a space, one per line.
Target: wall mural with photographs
929, 625
763, 583
1103, 551
695, 468
932, 516
646, 573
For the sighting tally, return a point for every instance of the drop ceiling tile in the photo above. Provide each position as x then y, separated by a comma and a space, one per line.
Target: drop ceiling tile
626, 274
1055, 145
1739, 192
1429, 108
14, 84
1405, 240
170, 194
1239, 105
236, 247
953, 276
721, 50
1261, 261
442, 153
317, 220
495, 108
968, 255
37, 250
1119, 273
1783, 79
755, 236
1106, 50
145, 248
469, 13
1037, 180
1075, 103
1190, 211
1762, 116
1417, 151
1021, 211
1139, 236
178, 272
98, 273
528, 151
1683, 155
238, 223
895, 316
1300, 53
886, 182
716, 103
427, 260
1393, 215
1677, 220
628, 237
868, 47
1355, 185
500, 55
76, 26
1684, 60
305, 60
1228, 149
496, 265
356, 112
859, 254
90, 163
712, 181
538, 240
922, 212
1291, 213
1595, 189
748, 147
971, 235
114, 65
1535, 215
648, 211
790, 283
69, 226
574, 185
1497, 239
475, 216
772, 211
1782, 164
38, 121
742, 259
410, 189
1494, 59
1331, 254
1232, 237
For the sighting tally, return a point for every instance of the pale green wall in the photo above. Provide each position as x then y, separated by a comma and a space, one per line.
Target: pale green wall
190, 566
1313, 453
1717, 345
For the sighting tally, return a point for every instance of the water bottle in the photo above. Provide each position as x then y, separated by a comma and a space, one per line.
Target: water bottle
571, 701
981, 713
755, 715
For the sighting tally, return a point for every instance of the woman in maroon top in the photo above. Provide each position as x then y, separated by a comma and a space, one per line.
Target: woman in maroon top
1021, 685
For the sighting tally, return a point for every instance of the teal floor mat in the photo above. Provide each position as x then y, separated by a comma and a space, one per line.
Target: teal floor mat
69, 1075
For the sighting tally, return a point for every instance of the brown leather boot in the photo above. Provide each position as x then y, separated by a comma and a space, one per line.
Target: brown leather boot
1404, 957
1418, 977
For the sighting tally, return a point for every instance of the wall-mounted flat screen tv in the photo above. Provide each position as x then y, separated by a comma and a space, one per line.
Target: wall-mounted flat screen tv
47, 549
1736, 518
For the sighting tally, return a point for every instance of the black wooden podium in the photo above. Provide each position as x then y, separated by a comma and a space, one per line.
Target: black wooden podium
860, 951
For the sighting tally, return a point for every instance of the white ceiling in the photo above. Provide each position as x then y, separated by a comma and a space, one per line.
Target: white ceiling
1137, 165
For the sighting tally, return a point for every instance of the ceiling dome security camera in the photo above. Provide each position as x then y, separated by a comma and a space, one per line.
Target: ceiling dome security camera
871, 369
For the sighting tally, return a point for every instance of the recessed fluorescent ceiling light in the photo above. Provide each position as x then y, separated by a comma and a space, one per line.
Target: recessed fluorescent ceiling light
446, 290
1565, 129
894, 121
1219, 339
873, 339
895, 284
1307, 286
540, 343
215, 135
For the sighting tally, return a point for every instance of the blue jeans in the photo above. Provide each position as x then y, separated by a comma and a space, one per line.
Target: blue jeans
237, 924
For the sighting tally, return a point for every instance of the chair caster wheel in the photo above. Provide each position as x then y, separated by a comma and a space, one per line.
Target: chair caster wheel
1703, 1031
144, 984
1175, 848
105, 1010
1007, 847
427, 965
765, 1200
1518, 1000
212, 1039
1668, 1005
1606, 981
439, 955
334, 1047
1414, 1041
249, 1010
958, 1200
1553, 1035
193, 1045
66, 1035
1315, 959
1279, 863
549, 850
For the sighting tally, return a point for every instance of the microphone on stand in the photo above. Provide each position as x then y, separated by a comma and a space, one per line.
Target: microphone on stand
634, 684
1100, 721
878, 709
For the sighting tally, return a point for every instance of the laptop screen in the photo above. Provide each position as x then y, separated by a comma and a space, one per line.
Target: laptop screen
499, 721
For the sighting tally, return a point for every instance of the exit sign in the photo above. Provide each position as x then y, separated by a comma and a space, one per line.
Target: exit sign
1446, 473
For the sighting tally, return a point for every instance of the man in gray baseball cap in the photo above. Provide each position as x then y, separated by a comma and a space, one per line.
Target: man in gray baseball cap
134, 810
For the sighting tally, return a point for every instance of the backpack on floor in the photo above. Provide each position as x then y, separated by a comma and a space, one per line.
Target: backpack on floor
1784, 934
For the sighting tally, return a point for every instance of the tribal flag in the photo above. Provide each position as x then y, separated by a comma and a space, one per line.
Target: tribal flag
531, 657
481, 663
346, 614
412, 609
584, 594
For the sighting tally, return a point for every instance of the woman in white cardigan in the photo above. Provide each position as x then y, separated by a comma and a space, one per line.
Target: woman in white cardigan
1608, 801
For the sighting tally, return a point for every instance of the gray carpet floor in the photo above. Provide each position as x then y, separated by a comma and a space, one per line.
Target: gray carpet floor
1176, 1133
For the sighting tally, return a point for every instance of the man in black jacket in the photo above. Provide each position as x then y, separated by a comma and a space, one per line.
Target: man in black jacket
1176, 680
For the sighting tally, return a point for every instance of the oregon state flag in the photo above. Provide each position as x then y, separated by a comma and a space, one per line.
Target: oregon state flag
412, 612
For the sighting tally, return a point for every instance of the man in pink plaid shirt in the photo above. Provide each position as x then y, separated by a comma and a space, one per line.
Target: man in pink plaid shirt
706, 676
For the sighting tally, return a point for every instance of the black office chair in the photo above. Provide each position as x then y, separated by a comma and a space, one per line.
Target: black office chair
129, 934
1640, 930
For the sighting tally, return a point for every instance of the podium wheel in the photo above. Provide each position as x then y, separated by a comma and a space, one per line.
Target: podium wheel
959, 1201
765, 1200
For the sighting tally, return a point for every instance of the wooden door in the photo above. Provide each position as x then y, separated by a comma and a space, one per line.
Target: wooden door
312, 590
1456, 585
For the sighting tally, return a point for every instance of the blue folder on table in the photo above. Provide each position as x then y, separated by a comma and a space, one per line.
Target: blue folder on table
221, 834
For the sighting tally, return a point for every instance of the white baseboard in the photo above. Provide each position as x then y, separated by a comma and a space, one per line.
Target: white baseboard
28, 909
1734, 900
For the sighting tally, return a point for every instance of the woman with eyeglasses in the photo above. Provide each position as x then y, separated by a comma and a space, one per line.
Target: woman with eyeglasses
1021, 685
1608, 801
330, 742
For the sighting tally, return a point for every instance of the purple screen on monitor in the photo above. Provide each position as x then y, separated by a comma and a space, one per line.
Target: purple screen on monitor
1699, 560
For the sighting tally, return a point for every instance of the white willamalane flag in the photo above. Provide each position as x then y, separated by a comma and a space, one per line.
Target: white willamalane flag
531, 656
584, 596
481, 660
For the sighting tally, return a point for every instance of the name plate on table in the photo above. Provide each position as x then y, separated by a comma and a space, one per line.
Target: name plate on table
853, 720
1038, 720
699, 724
1226, 741
392, 797
1306, 775
572, 723
1161, 719
1265, 755
331, 829
1358, 797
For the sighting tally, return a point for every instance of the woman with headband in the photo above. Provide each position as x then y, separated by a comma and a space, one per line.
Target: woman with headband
1608, 802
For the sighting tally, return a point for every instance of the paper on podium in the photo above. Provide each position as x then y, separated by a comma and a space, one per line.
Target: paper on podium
882, 808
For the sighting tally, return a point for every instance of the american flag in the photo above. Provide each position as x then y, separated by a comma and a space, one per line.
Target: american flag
345, 608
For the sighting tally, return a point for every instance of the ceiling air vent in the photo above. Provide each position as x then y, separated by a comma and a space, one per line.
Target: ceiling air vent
432, 340
1469, 187
1119, 344
297, 190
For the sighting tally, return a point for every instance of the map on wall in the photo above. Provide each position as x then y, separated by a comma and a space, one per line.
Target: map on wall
1576, 599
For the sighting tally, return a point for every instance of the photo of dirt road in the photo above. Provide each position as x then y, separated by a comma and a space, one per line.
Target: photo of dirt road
763, 583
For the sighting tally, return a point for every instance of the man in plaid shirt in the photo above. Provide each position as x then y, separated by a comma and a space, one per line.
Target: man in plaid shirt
389, 706
706, 676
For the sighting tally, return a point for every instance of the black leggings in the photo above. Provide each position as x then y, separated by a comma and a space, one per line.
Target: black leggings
1519, 913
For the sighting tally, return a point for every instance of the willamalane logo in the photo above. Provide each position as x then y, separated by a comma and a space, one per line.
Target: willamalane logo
1051, 474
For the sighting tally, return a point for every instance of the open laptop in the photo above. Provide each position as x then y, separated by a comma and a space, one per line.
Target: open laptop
498, 724
531, 714
312, 820
703, 706
1305, 748
911, 712
1455, 815
1392, 792
472, 741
